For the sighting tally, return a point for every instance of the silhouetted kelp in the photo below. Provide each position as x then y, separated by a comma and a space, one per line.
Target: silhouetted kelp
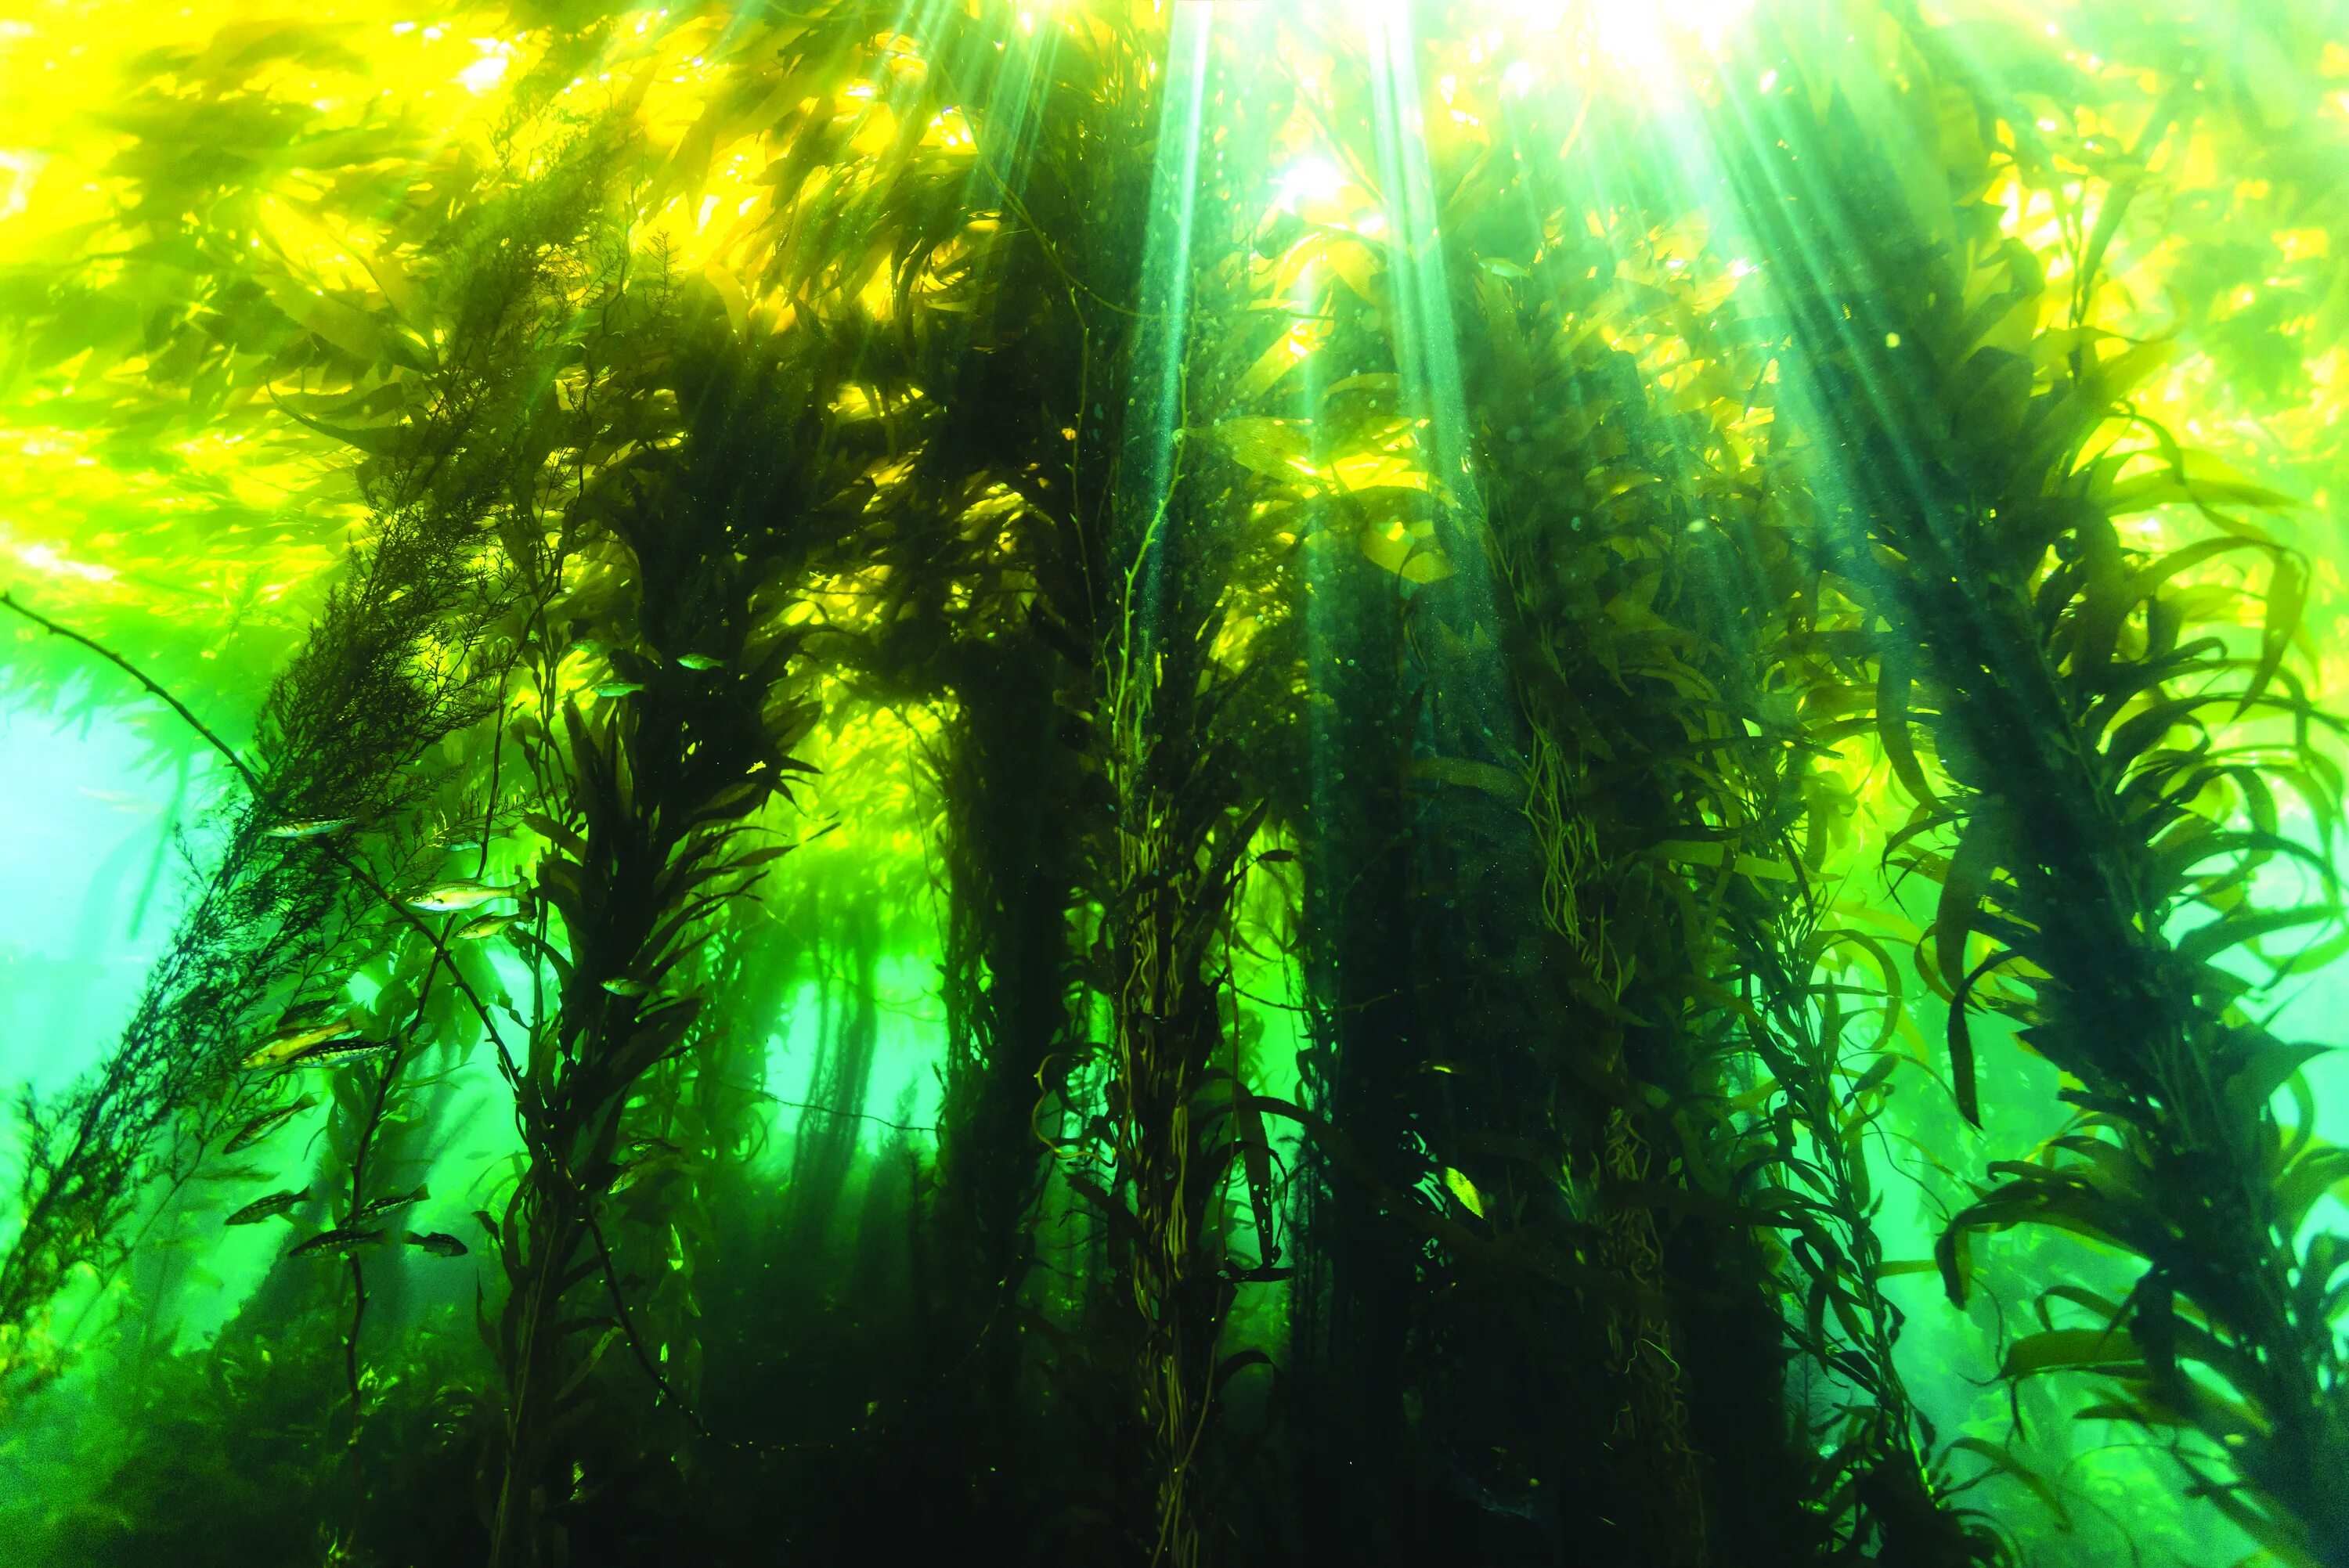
399, 660
1494, 630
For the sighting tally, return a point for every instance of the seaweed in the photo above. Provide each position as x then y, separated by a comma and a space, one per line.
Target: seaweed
1191, 784
2091, 790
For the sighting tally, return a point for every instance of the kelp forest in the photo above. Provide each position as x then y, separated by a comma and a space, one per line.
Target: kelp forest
1175, 782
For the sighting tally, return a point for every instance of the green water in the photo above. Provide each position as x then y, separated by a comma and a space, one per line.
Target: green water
1471, 781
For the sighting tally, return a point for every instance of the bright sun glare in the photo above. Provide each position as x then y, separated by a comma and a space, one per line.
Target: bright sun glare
1311, 179
1642, 34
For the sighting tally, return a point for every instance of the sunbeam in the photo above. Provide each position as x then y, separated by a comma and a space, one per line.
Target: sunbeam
1175, 782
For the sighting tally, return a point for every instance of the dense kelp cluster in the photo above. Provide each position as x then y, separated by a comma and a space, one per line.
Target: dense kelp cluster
1190, 783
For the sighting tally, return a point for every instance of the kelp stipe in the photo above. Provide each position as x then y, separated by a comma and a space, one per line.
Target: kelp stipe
2093, 770
396, 663
649, 804
1111, 782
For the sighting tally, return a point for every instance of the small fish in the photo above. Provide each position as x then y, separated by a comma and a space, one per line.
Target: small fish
268, 1208
313, 828
620, 985
699, 661
618, 688
486, 925
267, 1122
644, 1165
334, 1053
386, 1205
439, 1243
347, 1239
292, 1042
450, 898
117, 799
587, 647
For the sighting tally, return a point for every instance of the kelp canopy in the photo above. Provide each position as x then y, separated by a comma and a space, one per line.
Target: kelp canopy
1425, 780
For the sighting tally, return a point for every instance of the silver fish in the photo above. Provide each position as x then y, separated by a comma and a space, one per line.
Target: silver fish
618, 688
344, 1240
646, 1164
451, 898
291, 1043
386, 1205
699, 661
487, 925
267, 1122
268, 1208
334, 1053
620, 985
315, 828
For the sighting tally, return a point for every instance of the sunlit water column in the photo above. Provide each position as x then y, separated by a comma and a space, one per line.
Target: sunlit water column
1471, 713
1153, 723
1154, 406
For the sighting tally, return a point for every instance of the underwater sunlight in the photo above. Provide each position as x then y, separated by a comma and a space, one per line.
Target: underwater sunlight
1175, 782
